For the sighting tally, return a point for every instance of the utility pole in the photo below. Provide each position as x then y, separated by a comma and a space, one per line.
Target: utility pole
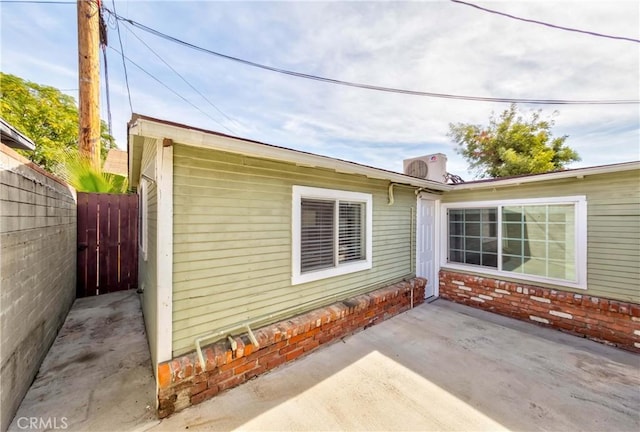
89, 80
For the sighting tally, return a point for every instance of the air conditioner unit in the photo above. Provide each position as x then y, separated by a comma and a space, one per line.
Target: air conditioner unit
431, 167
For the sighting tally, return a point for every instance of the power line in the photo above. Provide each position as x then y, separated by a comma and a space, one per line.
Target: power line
374, 87
124, 64
106, 83
103, 46
185, 80
546, 23
167, 87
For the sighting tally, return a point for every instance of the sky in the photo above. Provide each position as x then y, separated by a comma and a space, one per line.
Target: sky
430, 46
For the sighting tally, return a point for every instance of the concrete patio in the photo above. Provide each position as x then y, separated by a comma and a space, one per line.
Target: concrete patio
440, 366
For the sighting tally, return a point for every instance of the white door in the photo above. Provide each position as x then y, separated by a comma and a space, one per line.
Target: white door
426, 244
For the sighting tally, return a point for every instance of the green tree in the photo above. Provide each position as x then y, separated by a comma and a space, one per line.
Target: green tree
512, 145
48, 117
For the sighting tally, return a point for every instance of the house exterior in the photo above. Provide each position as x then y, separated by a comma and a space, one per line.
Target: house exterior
236, 235
252, 255
560, 249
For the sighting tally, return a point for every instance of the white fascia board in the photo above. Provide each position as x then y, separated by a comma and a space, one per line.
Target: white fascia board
135, 147
556, 175
164, 252
149, 128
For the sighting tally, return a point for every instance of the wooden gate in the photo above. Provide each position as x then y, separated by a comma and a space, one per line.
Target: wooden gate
107, 243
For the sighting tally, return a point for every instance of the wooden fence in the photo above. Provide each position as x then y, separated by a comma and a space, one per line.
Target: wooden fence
107, 243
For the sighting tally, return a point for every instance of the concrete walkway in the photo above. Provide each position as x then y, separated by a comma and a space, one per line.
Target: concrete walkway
440, 366
97, 375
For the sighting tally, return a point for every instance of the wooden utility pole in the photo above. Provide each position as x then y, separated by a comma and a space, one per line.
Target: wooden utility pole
89, 80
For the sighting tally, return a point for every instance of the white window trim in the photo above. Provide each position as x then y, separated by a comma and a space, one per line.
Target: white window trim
300, 192
580, 208
144, 223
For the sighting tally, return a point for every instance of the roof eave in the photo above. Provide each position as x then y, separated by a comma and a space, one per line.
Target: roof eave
13, 138
152, 128
556, 175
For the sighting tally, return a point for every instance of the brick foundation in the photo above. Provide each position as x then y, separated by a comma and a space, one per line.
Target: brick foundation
182, 382
609, 321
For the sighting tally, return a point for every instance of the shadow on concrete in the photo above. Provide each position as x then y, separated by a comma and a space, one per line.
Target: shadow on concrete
97, 374
440, 366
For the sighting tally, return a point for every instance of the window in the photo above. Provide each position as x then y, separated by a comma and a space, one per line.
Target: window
332, 233
537, 239
473, 236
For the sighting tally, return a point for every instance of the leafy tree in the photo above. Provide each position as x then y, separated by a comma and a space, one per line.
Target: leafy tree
512, 145
48, 117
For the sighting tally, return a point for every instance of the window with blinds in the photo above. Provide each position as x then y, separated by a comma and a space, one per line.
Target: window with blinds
351, 245
319, 236
317, 239
332, 233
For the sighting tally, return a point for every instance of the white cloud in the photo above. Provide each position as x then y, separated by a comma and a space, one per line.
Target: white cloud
431, 46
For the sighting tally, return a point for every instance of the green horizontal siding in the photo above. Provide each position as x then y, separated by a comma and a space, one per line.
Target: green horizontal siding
147, 268
232, 239
613, 226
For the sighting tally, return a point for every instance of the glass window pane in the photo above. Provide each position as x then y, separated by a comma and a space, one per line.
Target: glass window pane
489, 245
512, 263
456, 242
351, 237
317, 234
456, 215
472, 258
456, 228
512, 214
489, 260
472, 244
456, 256
472, 215
512, 247
547, 238
558, 269
512, 230
535, 266
535, 214
472, 234
537, 249
472, 229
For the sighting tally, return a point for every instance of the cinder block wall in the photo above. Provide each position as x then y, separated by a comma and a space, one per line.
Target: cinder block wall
608, 321
37, 271
183, 381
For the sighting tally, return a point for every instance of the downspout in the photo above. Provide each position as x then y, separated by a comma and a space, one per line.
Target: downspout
391, 199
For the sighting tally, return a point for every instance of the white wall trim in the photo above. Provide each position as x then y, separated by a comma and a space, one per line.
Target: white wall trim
436, 237
143, 209
299, 192
164, 238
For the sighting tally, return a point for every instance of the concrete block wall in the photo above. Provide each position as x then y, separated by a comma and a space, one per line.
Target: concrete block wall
37, 271
608, 321
183, 382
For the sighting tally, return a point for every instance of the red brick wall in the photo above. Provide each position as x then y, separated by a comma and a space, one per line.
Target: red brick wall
182, 381
609, 321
